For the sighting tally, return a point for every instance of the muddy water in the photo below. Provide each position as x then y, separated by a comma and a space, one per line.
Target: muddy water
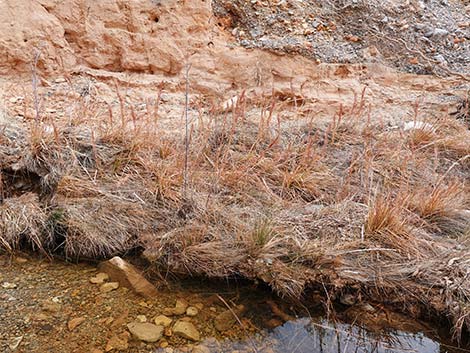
39, 299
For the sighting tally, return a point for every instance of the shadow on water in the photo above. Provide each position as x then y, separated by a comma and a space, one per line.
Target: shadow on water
362, 328
304, 335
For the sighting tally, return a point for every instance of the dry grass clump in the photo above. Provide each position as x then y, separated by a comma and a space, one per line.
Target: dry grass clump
98, 227
441, 207
385, 217
23, 223
290, 202
387, 225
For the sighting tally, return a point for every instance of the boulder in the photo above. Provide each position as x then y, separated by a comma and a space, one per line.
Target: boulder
128, 276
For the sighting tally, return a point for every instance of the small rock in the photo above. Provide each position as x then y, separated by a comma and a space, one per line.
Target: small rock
51, 307
15, 343
41, 317
100, 278
141, 318
419, 26
440, 59
273, 323
8, 285
108, 287
128, 276
186, 330
74, 323
20, 260
119, 342
439, 32
168, 332
192, 311
179, 309
201, 349
145, 331
225, 320
162, 320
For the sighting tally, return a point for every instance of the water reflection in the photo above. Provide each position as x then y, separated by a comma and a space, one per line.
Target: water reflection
307, 336
303, 336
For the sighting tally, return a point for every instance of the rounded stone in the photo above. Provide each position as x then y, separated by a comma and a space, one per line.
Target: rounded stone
145, 331
186, 330
163, 320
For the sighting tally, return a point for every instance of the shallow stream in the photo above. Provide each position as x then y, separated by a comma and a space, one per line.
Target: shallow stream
39, 299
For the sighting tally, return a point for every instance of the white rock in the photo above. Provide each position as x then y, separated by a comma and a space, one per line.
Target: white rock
439, 32
192, 311
418, 125
230, 104
8, 285
141, 318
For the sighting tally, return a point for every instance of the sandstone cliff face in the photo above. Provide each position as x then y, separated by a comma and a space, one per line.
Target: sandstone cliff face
112, 35
144, 36
119, 35
25, 27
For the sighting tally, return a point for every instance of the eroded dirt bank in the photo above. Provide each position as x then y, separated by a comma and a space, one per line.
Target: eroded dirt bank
317, 179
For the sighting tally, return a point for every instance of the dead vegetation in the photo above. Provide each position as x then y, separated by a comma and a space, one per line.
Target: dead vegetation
299, 204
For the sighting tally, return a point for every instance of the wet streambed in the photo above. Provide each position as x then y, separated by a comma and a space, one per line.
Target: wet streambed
53, 307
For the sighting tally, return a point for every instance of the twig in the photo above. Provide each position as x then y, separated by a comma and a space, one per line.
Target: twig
34, 76
456, 163
238, 320
186, 136
364, 250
